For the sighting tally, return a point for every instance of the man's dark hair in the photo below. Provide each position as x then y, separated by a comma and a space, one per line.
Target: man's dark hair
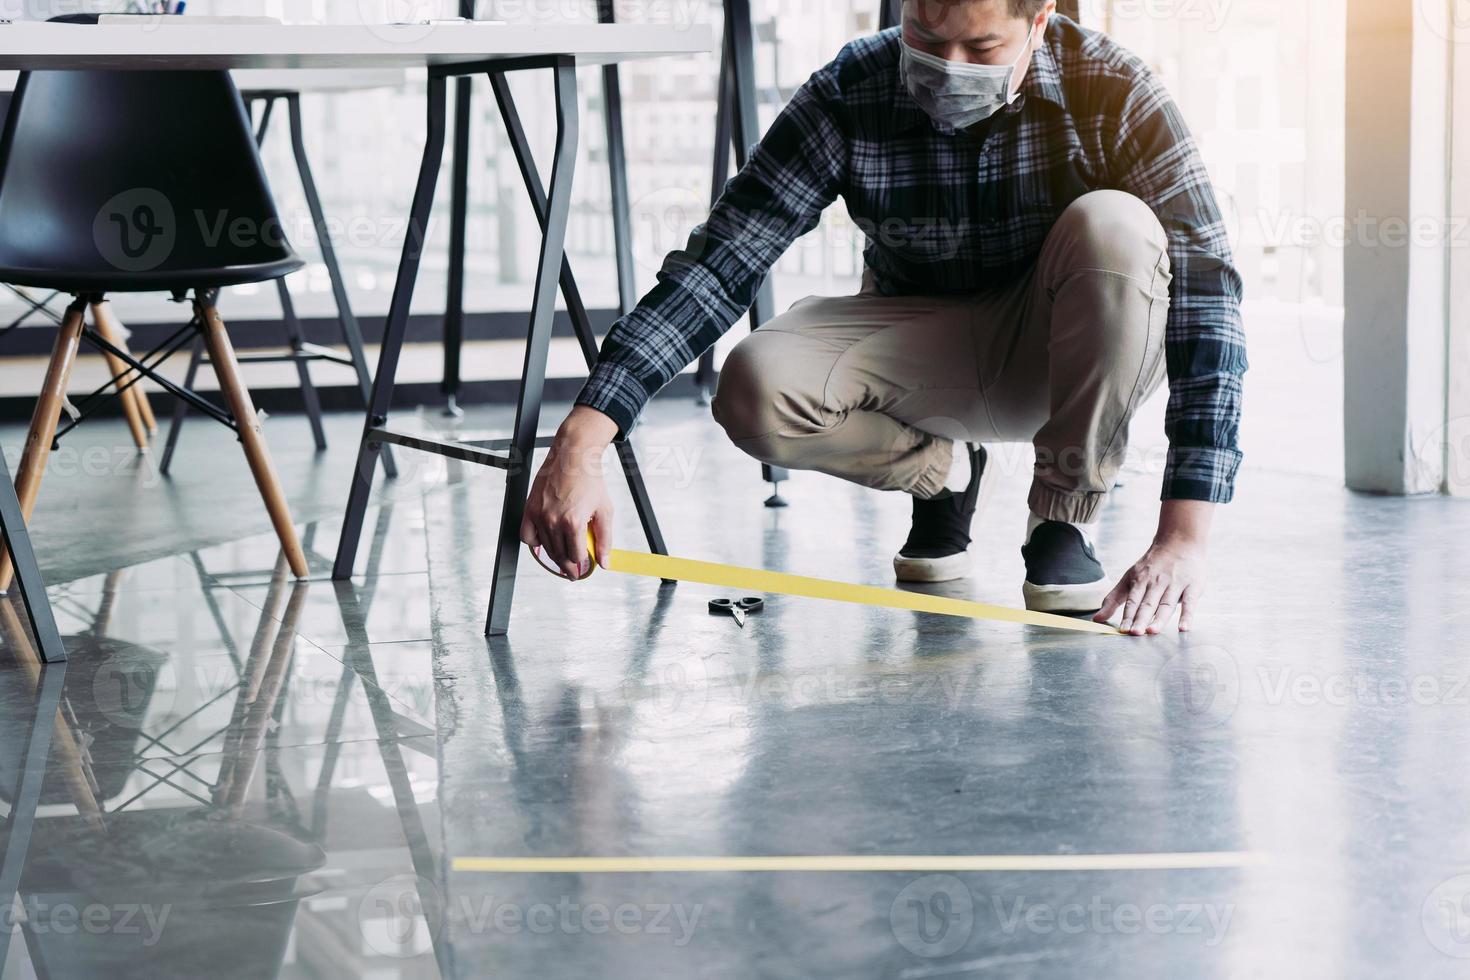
1019, 8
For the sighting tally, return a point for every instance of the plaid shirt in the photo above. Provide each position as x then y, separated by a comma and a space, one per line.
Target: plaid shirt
945, 212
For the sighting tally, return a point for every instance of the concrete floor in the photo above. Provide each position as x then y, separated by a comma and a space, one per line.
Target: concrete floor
247, 777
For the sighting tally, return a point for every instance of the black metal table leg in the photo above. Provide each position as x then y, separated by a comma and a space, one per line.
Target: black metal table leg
737, 120
704, 374
514, 455
459, 204
576, 308
309, 398
746, 123
533, 374
617, 171
346, 319
27, 571
381, 397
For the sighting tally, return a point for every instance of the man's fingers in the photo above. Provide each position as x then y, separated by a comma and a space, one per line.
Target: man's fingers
1167, 605
529, 535
1137, 589
1144, 615
1186, 610
1113, 602
574, 550
602, 535
554, 543
551, 546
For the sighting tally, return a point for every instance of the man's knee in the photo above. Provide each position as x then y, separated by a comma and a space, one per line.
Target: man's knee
1111, 231
768, 388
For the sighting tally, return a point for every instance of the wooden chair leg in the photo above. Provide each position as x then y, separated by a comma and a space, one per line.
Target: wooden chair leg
127, 397
145, 407
237, 397
139, 393
43, 421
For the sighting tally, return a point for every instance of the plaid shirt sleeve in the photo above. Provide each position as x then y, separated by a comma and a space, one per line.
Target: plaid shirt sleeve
1156, 160
791, 177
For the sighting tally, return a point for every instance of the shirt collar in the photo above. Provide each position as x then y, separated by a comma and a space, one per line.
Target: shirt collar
1043, 80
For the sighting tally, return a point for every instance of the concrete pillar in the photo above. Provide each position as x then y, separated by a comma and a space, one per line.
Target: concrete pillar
1457, 443
1397, 255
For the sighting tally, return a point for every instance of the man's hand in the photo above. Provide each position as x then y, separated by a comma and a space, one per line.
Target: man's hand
1169, 577
569, 494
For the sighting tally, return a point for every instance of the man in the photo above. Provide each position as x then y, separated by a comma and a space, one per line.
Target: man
1043, 248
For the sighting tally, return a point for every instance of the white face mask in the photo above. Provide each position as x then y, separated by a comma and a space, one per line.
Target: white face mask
957, 93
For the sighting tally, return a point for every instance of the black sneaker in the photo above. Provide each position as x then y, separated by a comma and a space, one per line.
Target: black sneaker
939, 540
1063, 574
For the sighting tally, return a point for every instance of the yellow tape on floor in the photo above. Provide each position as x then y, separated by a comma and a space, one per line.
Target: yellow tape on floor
1185, 861
750, 581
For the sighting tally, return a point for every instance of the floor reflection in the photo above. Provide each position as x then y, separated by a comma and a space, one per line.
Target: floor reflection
243, 804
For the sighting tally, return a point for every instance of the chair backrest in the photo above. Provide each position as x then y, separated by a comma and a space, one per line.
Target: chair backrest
133, 180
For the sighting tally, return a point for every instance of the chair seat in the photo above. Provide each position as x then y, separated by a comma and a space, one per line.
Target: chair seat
135, 181
82, 282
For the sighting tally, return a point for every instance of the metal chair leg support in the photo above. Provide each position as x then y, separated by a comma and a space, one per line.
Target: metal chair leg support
118, 335
533, 373
181, 406
381, 397
127, 396
159, 355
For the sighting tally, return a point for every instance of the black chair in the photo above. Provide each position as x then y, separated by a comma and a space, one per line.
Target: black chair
33, 306
139, 181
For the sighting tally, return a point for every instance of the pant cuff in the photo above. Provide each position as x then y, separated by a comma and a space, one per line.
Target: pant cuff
931, 481
1073, 507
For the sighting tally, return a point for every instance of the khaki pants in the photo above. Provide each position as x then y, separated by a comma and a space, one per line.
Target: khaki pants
875, 389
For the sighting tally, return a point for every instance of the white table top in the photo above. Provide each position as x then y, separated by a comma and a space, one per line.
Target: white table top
292, 79
151, 45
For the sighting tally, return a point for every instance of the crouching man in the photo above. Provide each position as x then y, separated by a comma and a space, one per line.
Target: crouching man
1044, 249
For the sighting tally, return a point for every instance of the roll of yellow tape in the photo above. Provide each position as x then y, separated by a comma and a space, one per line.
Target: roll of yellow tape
754, 580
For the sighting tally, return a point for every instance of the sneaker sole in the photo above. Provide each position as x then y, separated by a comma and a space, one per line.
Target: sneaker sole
1066, 600
930, 570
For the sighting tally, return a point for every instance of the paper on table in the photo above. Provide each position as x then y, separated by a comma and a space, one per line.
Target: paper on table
153, 20
436, 22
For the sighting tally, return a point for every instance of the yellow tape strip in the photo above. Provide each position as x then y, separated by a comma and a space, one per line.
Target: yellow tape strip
752, 580
917, 863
